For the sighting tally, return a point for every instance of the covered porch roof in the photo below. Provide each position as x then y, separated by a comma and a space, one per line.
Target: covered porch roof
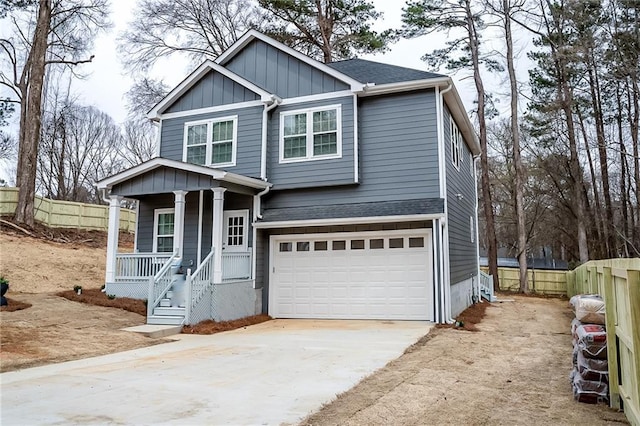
161, 175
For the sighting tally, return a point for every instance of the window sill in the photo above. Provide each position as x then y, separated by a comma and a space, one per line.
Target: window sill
305, 159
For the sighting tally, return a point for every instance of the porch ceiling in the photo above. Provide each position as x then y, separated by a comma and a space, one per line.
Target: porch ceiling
161, 175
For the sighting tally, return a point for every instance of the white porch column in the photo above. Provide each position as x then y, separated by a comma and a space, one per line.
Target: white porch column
217, 232
178, 222
112, 237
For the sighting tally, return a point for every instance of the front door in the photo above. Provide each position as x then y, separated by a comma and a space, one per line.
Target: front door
235, 224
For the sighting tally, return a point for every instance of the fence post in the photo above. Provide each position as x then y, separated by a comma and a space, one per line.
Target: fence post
612, 344
633, 292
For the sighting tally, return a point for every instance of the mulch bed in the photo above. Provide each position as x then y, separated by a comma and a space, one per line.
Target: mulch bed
212, 327
14, 305
468, 319
97, 297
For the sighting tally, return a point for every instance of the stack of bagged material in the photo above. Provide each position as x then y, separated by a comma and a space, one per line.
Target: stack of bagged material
590, 375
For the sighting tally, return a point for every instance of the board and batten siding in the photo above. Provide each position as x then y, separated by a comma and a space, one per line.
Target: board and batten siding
463, 255
398, 155
213, 89
305, 174
280, 73
249, 138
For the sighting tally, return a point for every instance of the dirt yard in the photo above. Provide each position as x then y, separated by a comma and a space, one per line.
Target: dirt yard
55, 329
513, 371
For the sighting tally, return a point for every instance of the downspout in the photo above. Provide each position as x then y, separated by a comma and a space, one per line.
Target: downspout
475, 184
275, 101
257, 206
445, 294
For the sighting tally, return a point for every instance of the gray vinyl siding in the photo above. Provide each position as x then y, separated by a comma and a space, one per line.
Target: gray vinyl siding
163, 180
249, 138
212, 90
148, 204
278, 72
313, 173
398, 155
463, 256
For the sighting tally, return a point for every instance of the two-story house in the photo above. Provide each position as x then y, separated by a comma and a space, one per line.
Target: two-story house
303, 190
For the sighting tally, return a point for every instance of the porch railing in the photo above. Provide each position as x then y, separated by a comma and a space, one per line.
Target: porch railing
198, 283
486, 287
138, 267
236, 265
159, 284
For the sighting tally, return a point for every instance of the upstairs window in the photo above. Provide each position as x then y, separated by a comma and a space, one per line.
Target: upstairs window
456, 144
211, 142
310, 134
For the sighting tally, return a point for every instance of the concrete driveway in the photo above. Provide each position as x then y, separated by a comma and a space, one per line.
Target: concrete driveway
271, 373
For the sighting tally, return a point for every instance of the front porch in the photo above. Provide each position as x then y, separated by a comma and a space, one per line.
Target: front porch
194, 248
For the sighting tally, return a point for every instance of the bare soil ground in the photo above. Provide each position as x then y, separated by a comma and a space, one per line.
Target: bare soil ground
514, 370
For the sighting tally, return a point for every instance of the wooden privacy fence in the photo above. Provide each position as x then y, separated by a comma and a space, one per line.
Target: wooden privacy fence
541, 281
618, 282
67, 214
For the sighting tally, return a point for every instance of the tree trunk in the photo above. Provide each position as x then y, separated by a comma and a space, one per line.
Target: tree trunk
30, 135
517, 160
490, 230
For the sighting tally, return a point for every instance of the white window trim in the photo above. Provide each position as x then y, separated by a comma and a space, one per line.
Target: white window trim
245, 229
156, 214
209, 143
309, 112
456, 143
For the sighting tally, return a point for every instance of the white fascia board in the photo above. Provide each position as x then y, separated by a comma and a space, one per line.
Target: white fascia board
346, 221
404, 86
194, 77
164, 162
250, 35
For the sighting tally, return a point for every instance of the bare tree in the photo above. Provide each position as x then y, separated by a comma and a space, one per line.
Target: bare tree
62, 34
80, 145
198, 28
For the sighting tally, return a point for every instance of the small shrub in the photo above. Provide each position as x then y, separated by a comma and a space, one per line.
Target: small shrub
77, 289
111, 296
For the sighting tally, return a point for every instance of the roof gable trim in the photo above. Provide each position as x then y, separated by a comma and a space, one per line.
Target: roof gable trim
190, 81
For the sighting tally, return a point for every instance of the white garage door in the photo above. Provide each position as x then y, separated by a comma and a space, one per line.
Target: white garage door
378, 275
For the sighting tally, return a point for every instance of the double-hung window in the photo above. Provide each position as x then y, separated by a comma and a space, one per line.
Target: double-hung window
211, 142
163, 230
456, 144
310, 134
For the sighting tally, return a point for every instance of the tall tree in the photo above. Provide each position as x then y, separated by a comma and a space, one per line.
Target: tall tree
198, 28
505, 9
553, 89
326, 30
62, 35
423, 17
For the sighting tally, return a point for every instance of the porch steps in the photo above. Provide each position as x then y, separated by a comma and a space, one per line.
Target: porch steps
155, 331
165, 319
167, 316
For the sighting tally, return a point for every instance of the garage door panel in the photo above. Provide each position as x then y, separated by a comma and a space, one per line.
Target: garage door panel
357, 282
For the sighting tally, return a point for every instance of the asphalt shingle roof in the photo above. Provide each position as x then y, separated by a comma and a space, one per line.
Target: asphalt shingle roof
375, 72
385, 208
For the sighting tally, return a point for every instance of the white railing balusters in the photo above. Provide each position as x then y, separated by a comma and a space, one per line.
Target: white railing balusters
198, 284
159, 284
132, 267
236, 265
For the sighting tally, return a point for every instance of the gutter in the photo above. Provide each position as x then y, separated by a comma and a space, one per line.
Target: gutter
275, 101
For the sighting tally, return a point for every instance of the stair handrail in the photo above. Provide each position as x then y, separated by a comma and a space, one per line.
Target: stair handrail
152, 301
206, 266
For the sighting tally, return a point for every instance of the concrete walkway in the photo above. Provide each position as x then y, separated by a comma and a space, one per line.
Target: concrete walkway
271, 373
